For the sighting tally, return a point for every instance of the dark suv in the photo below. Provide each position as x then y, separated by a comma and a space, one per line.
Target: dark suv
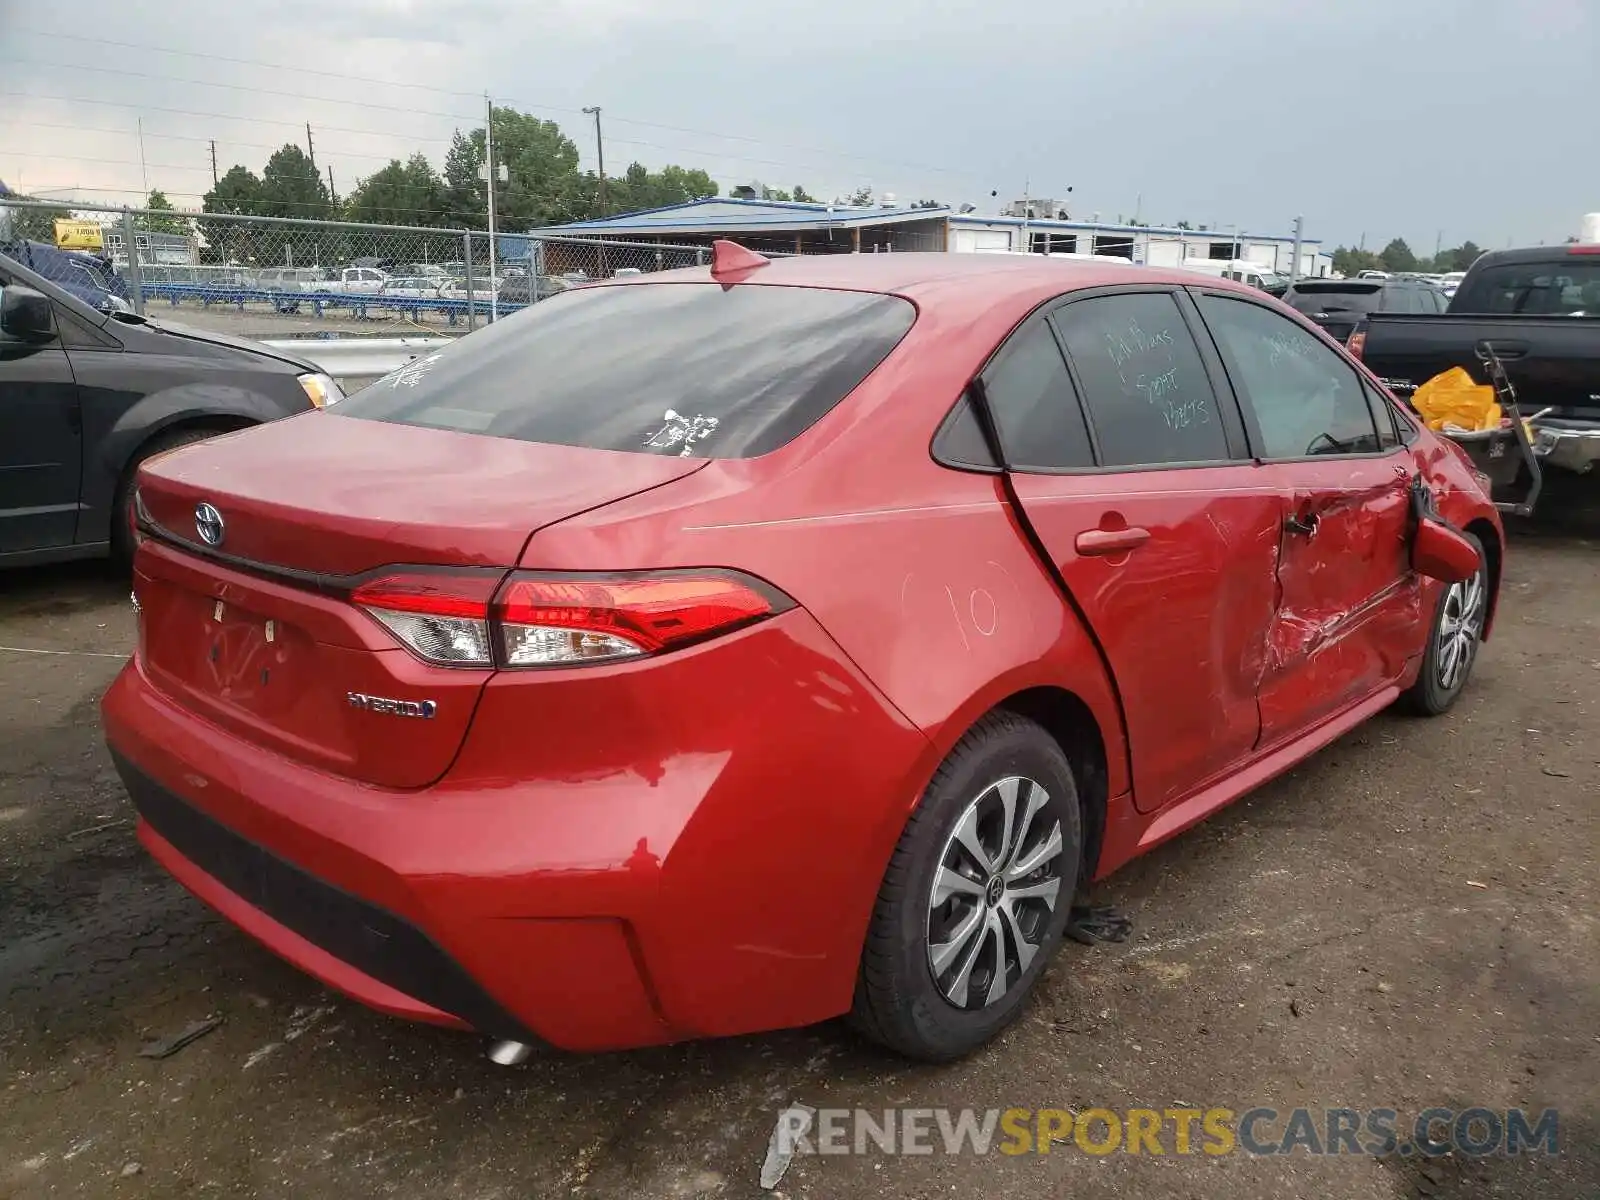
86, 397
1341, 306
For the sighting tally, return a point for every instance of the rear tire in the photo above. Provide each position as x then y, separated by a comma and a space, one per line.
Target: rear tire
976, 896
1453, 640
121, 508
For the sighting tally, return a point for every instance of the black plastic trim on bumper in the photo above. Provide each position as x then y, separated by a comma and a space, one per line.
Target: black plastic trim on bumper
368, 938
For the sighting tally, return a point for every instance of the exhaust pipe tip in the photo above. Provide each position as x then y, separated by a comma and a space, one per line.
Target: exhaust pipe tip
510, 1054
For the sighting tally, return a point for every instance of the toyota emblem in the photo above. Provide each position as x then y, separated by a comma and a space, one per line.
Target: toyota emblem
208, 524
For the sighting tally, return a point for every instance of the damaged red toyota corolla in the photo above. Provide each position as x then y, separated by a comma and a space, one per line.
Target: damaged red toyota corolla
731, 649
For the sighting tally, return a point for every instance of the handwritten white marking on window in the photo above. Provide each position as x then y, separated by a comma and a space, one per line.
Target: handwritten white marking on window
681, 431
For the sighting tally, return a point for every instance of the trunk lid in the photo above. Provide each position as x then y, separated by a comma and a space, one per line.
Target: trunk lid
338, 496
256, 634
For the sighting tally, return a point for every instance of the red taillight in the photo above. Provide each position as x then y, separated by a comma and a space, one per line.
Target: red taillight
539, 619
1584, 248
546, 620
441, 617
137, 515
1357, 343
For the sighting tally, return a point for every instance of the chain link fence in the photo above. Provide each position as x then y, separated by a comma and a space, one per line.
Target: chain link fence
272, 277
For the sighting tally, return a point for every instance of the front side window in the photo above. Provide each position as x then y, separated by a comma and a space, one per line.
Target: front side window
1144, 382
692, 369
1307, 401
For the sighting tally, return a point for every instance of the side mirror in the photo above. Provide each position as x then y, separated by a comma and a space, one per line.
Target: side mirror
26, 314
1442, 552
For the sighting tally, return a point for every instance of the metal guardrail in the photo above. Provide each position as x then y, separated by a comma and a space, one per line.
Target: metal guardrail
359, 358
318, 302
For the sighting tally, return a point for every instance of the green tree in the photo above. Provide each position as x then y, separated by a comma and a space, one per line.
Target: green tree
639, 188
157, 202
464, 201
36, 224
927, 204
1397, 256
860, 197
1350, 262
291, 186
1464, 255
238, 193
402, 193
543, 185
802, 196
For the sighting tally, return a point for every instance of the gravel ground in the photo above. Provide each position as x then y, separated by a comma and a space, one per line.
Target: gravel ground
1408, 919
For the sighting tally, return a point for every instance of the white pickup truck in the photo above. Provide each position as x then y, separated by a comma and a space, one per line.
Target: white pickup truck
351, 281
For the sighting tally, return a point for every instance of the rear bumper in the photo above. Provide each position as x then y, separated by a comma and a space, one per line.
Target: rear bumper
1570, 449
348, 943
706, 867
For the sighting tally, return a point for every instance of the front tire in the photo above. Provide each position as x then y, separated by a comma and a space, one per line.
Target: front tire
1453, 641
976, 896
122, 506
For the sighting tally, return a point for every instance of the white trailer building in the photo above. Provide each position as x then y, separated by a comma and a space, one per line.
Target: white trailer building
1147, 244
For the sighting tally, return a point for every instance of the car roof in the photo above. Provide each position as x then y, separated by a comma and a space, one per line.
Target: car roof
1334, 285
1531, 254
978, 280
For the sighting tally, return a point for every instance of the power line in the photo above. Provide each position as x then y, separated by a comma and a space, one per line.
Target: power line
407, 137
240, 62
512, 101
236, 87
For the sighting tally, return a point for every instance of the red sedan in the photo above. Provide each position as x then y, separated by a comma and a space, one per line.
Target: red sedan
730, 649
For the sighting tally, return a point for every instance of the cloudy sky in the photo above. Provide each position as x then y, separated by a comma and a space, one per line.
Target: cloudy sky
1419, 118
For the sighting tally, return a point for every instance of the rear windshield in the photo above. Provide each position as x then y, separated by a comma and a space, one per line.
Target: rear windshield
1334, 297
1566, 288
696, 370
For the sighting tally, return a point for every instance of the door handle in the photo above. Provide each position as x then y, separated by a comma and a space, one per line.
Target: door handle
1508, 350
1110, 541
1305, 526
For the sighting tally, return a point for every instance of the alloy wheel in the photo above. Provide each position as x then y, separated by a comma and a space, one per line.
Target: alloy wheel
1460, 625
998, 882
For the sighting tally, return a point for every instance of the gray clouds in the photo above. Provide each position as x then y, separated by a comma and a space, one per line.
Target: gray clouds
1368, 117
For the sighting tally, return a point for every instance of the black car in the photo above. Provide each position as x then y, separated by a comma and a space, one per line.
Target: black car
1340, 306
85, 397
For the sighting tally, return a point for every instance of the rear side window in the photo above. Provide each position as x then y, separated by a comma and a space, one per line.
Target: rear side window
1316, 298
695, 370
1035, 409
1143, 381
1307, 401
1567, 288
1398, 300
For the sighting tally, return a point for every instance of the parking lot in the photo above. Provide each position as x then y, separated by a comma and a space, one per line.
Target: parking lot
1407, 920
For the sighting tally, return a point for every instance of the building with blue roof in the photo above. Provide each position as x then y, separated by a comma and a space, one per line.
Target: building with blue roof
793, 227
784, 226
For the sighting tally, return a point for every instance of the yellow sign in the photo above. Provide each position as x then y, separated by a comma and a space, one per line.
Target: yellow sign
79, 235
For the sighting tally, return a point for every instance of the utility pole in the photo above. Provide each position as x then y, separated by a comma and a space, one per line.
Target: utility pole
600, 154
1294, 266
1027, 199
488, 146
143, 170
332, 195
311, 151
214, 180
